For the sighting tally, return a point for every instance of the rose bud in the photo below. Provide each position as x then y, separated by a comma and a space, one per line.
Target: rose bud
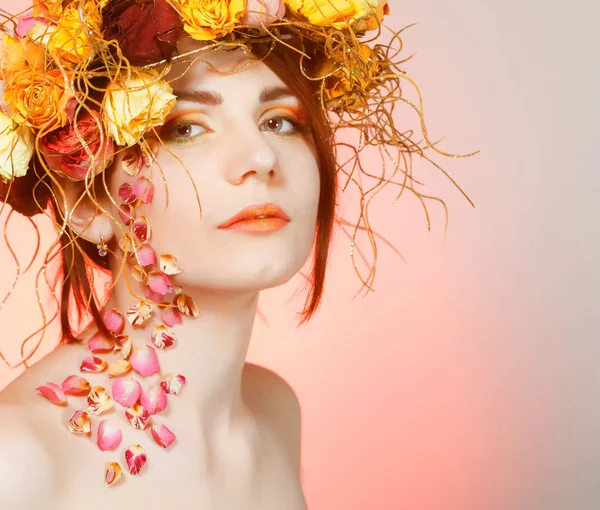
65, 154
146, 30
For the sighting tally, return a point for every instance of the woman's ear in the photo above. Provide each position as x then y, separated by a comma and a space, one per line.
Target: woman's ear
84, 214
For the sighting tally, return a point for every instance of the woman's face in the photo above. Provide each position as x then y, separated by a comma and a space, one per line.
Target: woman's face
241, 148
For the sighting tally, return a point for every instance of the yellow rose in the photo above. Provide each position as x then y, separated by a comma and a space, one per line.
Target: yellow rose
337, 13
134, 105
70, 38
16, 148
19, 54
209, 19
38, 99
48, 9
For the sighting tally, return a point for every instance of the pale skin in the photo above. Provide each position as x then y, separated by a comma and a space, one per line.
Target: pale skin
238, 424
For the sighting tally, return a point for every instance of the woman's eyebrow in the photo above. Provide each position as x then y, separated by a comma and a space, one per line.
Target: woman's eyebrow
213, 98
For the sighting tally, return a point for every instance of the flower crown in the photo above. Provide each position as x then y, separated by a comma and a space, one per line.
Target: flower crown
52, 53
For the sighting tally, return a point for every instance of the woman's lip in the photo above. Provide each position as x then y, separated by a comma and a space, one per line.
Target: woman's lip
250, 213
258, 225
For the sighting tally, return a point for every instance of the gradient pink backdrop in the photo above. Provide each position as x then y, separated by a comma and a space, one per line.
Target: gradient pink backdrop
467, 380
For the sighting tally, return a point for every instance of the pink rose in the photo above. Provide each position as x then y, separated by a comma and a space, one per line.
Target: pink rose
267, 12
64, 153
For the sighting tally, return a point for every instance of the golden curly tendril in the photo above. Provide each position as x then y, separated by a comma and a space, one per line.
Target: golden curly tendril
360, 86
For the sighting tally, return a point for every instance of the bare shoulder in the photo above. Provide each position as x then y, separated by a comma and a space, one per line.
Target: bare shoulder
26, 464
277, 402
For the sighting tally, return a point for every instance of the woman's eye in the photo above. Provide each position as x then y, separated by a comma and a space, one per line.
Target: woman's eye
277, 124
183, 130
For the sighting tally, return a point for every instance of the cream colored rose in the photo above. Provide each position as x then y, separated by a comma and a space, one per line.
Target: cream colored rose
16, 148
210, 19
134, 105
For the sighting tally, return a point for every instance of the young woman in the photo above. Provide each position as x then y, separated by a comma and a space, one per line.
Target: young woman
186, 151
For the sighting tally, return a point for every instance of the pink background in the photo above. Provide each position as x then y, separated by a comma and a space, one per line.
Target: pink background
468, 379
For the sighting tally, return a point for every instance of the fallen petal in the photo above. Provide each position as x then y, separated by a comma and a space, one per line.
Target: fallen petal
80, 422
159, 282
99, 401
93, 364
76, 385
100, 343
109, 436
114, 472
162, 435
144, 189
168, 264
153, 297
123, 344
187, 305
171, 316
145, 361
138, 417
132, 162
127, 193
119, 368
53, 392
139, 274
172, 384
163, 337
114, 321
154, 400
140, 313
135, 456
141, 228
126, 391
146, 255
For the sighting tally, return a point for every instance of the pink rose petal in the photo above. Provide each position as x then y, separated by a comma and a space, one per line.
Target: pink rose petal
154, 297
144, 189
114, 321
144, 361
154, 400
24, 23
159, 282
126, 391
173, 383
100, 343
162, 435
163, 337
76, 385
127, 193
93, 364
114, 472
54, 393
171, 316
80, 422
141, 228
146, 255
138, 417
126, 213
109, 436
135, 456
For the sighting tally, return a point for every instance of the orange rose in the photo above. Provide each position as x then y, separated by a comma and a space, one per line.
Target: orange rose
38, 99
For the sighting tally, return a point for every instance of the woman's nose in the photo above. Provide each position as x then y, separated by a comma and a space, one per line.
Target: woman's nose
250, 154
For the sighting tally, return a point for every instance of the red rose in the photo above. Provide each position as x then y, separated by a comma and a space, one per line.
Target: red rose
65, 154
146, 30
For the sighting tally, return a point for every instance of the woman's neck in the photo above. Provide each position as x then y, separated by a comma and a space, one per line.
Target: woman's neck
210, 351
